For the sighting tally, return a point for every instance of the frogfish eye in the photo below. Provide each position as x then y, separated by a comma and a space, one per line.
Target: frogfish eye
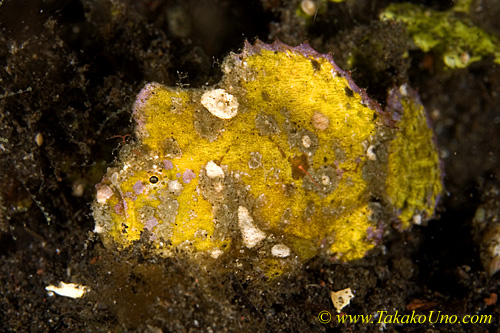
153, 179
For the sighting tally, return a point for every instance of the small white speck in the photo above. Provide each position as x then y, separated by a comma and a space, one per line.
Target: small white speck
220, 103
249, 231
309, 7
218, 187
320, 121
403, 89
213, 170
103, 194
78, 189
114, 178
370, 154
174, 186
306, 141
98, 229
39, 139
280, 251
216, 253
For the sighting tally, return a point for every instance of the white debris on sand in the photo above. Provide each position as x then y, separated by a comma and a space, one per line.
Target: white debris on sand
71, 290
341, 298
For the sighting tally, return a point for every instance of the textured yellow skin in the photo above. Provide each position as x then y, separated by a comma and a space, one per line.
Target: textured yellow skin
289, 195
413, 178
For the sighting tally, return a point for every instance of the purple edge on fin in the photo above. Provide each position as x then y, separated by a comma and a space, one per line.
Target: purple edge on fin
306, 50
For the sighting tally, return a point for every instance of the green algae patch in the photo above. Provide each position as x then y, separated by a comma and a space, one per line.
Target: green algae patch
285, 158
449, 33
